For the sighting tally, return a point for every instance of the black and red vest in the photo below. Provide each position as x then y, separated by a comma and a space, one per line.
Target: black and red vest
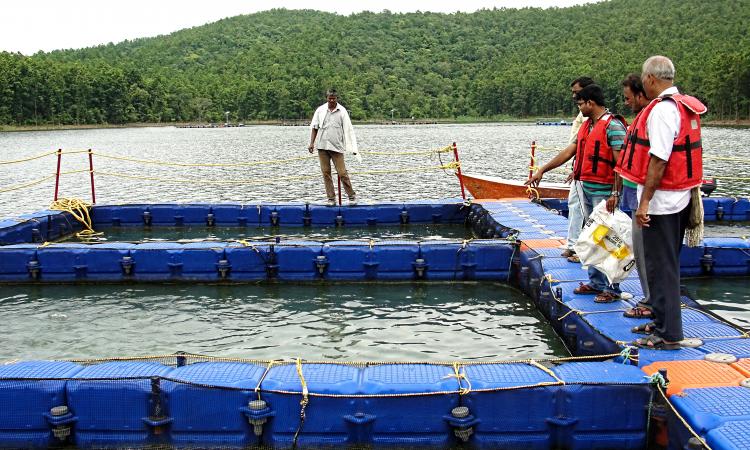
595, 161
685, 166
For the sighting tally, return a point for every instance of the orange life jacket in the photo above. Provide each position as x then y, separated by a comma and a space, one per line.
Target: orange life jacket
595, 161
685, 166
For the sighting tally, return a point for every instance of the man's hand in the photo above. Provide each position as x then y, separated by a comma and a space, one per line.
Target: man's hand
569, 178
535, 179
641, 214
612, 202
310, 148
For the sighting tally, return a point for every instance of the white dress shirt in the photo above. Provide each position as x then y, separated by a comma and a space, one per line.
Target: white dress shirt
663, 126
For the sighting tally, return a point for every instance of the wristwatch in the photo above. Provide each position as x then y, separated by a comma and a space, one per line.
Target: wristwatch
614, 194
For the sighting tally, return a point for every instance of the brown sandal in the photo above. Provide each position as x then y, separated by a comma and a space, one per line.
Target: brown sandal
638, 312
585, 289
574, 259
606, 297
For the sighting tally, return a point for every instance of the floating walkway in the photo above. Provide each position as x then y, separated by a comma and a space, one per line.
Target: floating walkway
197, 401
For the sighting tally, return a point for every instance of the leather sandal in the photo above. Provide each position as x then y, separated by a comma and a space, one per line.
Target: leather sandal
606, 297
585, 289
656, 343
568, 253
644, 328
574, 259
638, 312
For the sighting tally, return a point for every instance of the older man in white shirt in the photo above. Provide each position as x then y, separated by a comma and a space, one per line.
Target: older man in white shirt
332, 133
666, 163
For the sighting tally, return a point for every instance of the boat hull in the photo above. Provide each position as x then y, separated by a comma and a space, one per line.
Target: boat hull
481, 186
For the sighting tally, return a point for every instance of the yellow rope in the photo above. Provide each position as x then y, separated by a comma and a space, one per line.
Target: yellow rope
22, 186
79, 210
416, 152
31, 158
263, 377
546, 370
726, 158
255, 181
549, 149
682, 419
732, 178
176, 164
460, 376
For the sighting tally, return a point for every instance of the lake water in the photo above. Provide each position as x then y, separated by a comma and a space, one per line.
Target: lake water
358, 321
348, 321
491, 149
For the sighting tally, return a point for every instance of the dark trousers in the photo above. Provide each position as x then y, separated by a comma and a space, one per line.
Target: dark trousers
662, 242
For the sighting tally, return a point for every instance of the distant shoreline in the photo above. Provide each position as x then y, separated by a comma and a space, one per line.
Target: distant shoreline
744, 123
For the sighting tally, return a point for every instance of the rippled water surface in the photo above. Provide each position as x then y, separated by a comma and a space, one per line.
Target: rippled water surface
359, 321
727, 297
193, 233
347, 321
491, 149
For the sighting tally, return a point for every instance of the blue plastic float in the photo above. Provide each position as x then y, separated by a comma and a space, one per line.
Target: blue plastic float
212, 403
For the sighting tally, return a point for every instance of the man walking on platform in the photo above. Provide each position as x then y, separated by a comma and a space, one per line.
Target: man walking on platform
667, 164
332, 133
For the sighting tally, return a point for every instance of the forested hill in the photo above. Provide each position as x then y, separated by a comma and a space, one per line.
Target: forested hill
491, 63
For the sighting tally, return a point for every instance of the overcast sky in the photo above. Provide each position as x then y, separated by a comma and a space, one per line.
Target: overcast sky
33, 25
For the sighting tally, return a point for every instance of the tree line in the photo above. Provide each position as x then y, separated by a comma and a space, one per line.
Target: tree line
277, 64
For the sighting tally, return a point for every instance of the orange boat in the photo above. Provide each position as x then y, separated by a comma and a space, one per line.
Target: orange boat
481, 186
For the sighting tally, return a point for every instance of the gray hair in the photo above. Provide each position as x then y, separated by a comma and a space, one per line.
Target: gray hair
658, 66
332, 92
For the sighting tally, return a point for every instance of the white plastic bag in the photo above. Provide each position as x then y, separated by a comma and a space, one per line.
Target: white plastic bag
606, 242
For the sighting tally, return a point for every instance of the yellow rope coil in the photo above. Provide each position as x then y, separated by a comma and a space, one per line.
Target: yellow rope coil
79, 210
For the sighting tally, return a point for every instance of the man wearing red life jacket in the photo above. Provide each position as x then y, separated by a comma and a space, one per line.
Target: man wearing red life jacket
598, 143
664, 159
625, 193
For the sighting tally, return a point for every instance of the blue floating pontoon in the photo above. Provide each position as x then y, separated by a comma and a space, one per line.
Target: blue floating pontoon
195, 401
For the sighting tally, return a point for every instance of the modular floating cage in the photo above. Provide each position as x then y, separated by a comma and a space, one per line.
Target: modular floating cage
608, 395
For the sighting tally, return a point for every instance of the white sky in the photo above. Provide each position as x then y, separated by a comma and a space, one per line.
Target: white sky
55, 24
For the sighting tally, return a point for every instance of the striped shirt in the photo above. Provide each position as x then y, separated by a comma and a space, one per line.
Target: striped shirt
615, 138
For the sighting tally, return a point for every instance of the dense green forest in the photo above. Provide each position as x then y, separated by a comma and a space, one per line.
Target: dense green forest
492, 63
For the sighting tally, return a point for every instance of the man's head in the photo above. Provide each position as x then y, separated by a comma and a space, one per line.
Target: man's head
333, 97
632, 90
590, 100
657, 75
579, 83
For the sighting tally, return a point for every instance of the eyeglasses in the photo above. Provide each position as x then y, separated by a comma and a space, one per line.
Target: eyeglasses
581, 102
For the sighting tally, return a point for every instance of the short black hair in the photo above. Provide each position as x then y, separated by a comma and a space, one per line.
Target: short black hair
634, 83
593, 93
332, 92
582, 81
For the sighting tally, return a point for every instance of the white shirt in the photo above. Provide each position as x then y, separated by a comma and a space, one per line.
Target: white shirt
574, 129
663, 126
335, 130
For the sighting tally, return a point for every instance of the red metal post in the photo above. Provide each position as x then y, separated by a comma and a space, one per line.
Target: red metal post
458, 172
338, 178
91, 172
57, 173
532, 162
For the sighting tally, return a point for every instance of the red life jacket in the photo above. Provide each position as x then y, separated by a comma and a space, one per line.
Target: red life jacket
595, 161
685, 166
